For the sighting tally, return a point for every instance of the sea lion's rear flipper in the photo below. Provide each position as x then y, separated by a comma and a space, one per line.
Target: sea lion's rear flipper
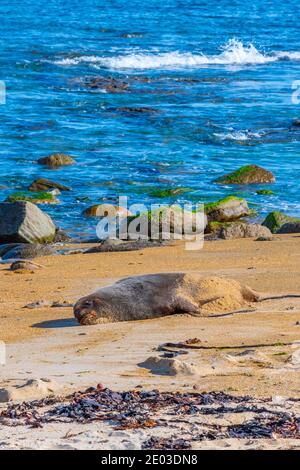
185, 305
251, 295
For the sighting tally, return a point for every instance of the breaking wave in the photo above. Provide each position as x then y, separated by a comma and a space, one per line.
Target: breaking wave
233, 53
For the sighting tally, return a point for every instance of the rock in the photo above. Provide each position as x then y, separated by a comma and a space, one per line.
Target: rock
28, 251
164, 222
227, 209
106, 210
296, 122
110, 245
169, 366
61, 237
291, 227
42, 184
266, 239
278, 222
25, 223
56, 160
33, 389
248, 174
35, 198
244, 230
24, 266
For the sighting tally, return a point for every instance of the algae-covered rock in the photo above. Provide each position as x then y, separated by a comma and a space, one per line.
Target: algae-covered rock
278, 222
43, 184
40, 197
227, 209
248, 174
56, 160
25, 223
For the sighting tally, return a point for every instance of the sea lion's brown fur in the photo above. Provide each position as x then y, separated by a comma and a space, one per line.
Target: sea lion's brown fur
156, 295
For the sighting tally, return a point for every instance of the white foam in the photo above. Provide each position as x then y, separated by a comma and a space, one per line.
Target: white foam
238, 135
233, 53
288, 55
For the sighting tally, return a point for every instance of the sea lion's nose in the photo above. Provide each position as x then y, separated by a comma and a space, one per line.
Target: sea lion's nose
79, 312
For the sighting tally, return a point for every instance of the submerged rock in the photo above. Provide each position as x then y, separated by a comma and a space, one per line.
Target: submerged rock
56, 160
43, 184
169, 192
227, 209
128, 110
265, 192
24, 222
278, 222
248, 174
109, 84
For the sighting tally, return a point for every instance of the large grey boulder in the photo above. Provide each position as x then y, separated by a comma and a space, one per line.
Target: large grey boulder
165, 223
23, 222
244, 230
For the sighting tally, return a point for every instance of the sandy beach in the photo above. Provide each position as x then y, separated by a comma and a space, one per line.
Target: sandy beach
251, 353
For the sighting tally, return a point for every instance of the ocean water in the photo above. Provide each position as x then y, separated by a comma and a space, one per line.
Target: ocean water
220, 74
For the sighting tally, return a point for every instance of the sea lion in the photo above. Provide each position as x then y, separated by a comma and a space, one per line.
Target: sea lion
156, 295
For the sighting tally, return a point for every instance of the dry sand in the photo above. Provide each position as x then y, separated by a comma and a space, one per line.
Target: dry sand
47, 342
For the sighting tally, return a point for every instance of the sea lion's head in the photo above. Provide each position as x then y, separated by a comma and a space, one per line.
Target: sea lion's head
91, 310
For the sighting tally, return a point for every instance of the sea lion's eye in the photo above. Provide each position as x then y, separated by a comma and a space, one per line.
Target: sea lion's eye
88, 303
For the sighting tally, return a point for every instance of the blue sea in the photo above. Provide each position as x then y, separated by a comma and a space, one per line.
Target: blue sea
220, 75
